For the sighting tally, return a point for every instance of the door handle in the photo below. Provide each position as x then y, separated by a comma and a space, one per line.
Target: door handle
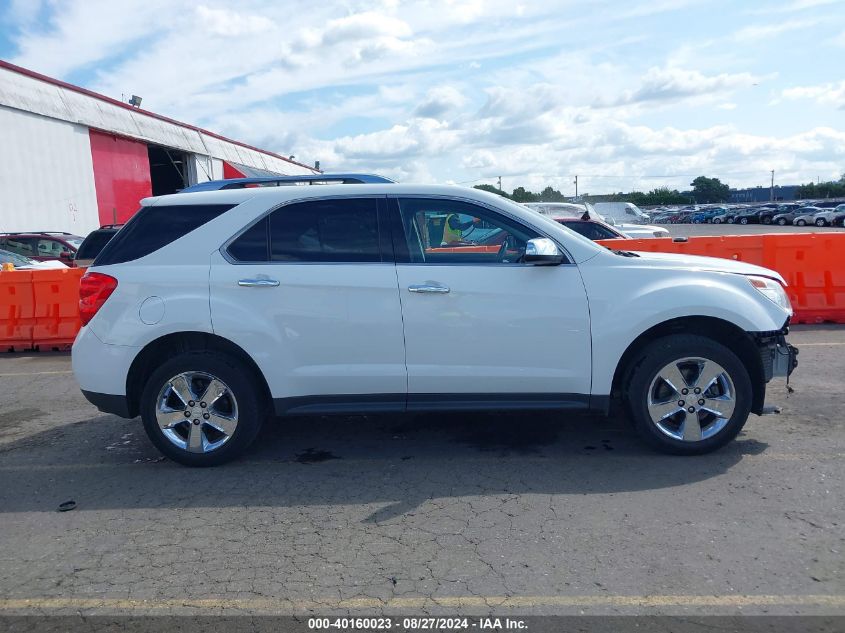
258, 283
434, 289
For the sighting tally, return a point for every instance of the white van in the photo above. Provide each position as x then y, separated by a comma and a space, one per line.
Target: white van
622, 212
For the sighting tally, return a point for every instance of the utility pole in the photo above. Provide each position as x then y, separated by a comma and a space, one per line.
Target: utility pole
772, 190
576, 186
500, 183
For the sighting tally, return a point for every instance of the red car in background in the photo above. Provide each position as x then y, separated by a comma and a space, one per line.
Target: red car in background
42, 246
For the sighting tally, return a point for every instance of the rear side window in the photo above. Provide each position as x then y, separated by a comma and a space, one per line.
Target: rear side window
155, 227
341, 230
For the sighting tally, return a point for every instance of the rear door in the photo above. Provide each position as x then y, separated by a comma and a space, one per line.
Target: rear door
310, 292
481, 327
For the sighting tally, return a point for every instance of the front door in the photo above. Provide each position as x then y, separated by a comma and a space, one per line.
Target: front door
478, 321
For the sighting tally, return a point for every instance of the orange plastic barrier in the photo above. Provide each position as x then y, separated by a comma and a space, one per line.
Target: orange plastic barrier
56, 294
17, 310
813, 265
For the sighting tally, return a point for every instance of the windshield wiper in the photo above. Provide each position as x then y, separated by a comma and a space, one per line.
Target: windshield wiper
627, 253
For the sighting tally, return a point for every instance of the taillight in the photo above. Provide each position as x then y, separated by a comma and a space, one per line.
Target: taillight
94, 289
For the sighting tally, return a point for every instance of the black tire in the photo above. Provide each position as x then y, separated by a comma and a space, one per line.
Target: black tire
662, 352
717, 220
743, 220
821, 222
241, 381
766, 219
781, 221
800, 223
731, 220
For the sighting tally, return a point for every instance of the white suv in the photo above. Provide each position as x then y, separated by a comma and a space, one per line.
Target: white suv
208, 312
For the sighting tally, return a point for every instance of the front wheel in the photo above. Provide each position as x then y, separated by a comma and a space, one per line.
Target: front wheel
202, 408
717, 220
743, 220
800, 223
781, 221
821, 222
688, 395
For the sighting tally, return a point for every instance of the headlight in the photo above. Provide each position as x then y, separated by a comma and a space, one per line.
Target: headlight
773, 291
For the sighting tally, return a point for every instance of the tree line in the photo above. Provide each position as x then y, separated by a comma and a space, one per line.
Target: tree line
704, 190
829, 189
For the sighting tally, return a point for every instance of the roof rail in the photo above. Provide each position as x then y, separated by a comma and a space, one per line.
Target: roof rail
37, 233
282, 181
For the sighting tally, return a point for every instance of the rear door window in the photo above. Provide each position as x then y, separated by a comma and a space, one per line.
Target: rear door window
334, 230
26, 246
155, 227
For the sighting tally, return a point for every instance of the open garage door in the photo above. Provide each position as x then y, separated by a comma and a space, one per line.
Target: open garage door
168, 170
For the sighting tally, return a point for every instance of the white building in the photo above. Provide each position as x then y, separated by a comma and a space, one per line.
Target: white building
73, 160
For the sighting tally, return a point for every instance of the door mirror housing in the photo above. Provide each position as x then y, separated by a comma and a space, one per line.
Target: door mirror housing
543, 252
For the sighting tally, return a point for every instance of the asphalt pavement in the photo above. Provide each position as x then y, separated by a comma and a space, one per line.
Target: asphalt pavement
472, 514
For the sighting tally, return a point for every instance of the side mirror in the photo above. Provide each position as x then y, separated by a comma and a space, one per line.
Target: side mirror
542, 252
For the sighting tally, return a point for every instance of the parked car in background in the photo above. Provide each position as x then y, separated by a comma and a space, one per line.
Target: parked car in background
42, 246
749, 216
207, 313
767, 214
666, 217
622, 212
829, 217
704, 216
592, 229
782, 219
93, 243
25, 263
805, 215
557, 209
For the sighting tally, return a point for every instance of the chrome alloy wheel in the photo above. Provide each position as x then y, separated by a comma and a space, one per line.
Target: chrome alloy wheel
196, 411
691, 399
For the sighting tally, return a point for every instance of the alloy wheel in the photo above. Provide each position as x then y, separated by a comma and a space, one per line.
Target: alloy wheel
196, 412
691, 399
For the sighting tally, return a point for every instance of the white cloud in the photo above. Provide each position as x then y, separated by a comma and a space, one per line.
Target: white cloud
832, 94
670, 84
763, 31
440, 101
225, 23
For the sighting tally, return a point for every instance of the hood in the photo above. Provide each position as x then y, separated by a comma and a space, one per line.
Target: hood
711, 264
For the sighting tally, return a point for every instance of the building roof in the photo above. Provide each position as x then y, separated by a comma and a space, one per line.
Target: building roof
29, 91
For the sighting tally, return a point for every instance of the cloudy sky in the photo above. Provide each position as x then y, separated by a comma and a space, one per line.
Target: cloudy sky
628, 95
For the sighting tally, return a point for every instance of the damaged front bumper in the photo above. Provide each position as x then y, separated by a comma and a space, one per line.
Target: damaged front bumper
779, 358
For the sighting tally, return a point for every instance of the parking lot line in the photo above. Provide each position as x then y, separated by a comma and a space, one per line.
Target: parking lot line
454, 602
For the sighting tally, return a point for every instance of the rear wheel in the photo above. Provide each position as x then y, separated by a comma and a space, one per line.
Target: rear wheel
800, 223
743, 220
202, 408
688, 395
821, 222
717, 220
